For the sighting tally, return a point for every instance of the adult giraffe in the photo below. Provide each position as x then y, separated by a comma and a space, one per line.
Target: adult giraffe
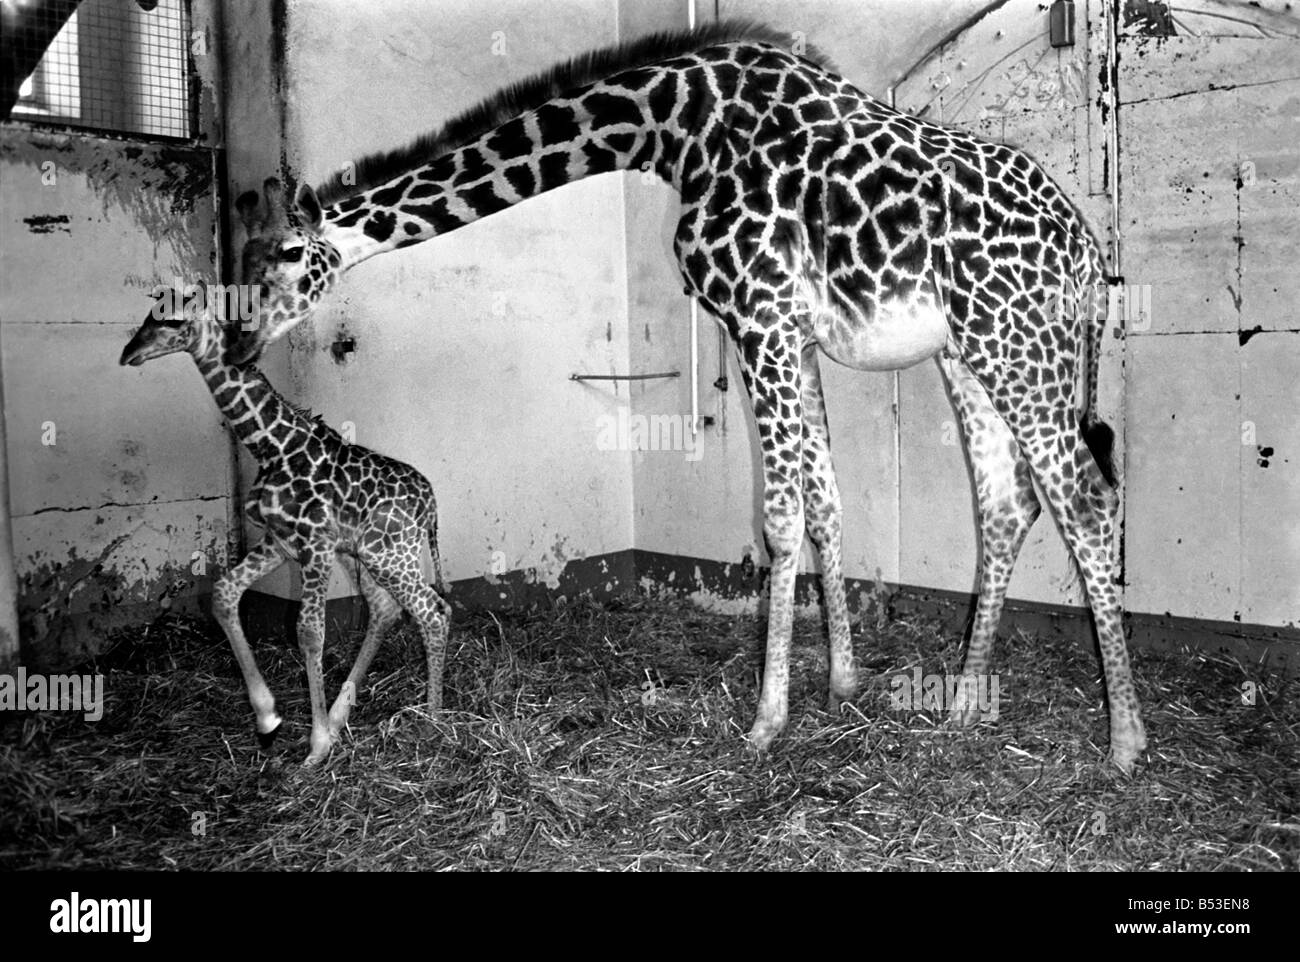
813, 217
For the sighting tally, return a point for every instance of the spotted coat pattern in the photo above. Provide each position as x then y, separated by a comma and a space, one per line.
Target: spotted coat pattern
814, 219
317, 497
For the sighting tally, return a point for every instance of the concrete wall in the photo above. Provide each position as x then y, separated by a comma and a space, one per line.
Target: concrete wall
464, 346
118, 479
1210, 188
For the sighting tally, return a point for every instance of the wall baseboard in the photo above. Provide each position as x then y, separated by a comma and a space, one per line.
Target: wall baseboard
727, 586
730, 587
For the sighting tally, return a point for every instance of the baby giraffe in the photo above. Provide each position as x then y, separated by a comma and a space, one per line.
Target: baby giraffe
316, 496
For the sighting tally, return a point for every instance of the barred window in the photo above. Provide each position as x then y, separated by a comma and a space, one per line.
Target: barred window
117, 65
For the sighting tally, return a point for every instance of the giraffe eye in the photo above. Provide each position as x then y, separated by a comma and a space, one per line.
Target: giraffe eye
291, 253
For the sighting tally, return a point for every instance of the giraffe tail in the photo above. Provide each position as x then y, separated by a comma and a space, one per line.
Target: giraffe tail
1101, 442
1097, 434
431, 532
439, 579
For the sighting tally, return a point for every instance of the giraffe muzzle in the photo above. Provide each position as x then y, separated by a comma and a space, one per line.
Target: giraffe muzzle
134, 354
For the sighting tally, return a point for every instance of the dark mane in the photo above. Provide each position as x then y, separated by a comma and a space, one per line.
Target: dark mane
375, 169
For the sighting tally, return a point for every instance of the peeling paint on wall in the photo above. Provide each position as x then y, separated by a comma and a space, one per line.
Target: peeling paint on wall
68, 605
153, 184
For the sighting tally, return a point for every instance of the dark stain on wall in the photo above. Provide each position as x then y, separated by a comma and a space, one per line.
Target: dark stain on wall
47, 223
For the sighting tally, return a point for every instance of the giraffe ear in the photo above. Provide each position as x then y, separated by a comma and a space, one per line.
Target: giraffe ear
246, 205
309, 208
273, 191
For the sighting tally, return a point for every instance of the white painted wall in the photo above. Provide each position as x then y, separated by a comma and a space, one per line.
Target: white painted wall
1214, 437
464, 345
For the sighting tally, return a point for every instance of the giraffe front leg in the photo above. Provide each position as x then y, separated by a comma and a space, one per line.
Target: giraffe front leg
311, 641
1008, 507
778, 414
824, 517
230, 587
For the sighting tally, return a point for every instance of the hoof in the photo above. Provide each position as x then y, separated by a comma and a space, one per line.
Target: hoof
267, 739
762, 735
338, 716
965, 710
1125, 750
835, 699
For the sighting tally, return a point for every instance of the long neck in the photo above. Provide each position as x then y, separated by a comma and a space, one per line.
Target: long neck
250, 405
653, 119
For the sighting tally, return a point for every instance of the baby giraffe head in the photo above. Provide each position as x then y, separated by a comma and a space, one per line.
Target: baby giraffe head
286, 261
175, 323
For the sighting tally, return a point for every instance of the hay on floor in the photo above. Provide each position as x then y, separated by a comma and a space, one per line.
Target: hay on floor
610, 737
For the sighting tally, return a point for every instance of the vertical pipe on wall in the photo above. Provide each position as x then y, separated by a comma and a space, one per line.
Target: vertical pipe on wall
8, 575
721, 382
1111, 11
695, 308
898, 420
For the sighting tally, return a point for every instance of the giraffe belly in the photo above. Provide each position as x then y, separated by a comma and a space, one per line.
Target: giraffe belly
895, 335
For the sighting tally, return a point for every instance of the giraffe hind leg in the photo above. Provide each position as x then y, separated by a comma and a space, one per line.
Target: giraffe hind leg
1008, 507
317, 562
397, 569
384, 611
1085, 507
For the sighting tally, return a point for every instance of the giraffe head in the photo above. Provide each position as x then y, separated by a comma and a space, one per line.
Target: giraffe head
286, 260
172, 325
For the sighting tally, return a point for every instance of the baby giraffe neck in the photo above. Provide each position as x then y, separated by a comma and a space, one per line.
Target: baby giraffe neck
246, 399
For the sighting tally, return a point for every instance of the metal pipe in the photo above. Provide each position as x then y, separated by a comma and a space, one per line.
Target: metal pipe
898, 429
695, 308
1111, 12
622, 377
9, 646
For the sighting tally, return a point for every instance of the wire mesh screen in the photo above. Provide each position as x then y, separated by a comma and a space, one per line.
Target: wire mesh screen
118, 65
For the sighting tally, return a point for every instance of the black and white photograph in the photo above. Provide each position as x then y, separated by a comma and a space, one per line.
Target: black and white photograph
602, 436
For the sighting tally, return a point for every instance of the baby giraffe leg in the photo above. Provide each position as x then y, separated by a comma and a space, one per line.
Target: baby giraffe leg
397, 569
384, 612
230, 587
316, 565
